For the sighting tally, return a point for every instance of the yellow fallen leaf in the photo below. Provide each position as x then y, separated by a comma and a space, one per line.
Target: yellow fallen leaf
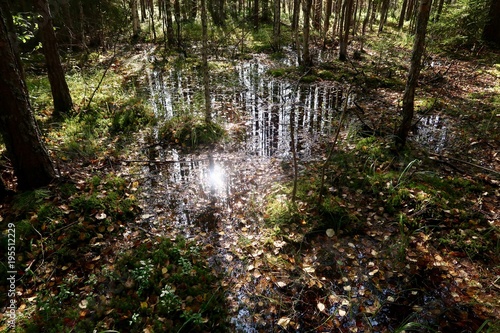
283, 322
320, 306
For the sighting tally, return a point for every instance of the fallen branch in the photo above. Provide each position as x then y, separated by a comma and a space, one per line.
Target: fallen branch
466, 162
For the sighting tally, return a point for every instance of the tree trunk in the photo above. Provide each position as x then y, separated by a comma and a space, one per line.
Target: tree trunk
326, 23
177, 16
318, 14
440, 10
31, 162
265, 11
167, 21
295, 15
411, 83
204, 51
58, 85
383, 15
277, 25
306, 55
491, 32
402, 15
255, 16
136, 28
365, 23
216, 9
68, 22
344, 37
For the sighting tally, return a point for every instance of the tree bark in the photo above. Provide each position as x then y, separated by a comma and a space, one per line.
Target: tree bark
383, 15
60, 91
167, 21
491, 32
306, 55
401, 21
277, 25
136, 27
217, 11
30, 160
204, 51
344, 34
411, 83
255, 16
326, 23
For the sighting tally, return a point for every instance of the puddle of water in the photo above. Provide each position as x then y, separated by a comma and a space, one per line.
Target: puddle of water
268, 105
432, 132
206, 196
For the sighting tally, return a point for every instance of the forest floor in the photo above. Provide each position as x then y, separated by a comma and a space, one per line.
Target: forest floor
143, 233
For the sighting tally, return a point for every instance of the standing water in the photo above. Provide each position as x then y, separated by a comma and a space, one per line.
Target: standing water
208, 196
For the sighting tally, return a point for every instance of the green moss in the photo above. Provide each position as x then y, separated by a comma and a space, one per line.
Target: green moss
190, 131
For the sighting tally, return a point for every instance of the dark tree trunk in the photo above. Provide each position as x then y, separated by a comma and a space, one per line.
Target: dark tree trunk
136, 28
296, 14
277, 25
411, 83
59, 87
68, 22
344, 34
31, 162
491, 32
318, 14
365, 23
265, 11
306, 56
439, 10
167, 21
383, 15
217, 11
204, 54
326, 24
177, 16
255, 16
401, 21
143, 10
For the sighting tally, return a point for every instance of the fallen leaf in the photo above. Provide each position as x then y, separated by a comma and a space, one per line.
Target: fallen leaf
283, 322
321, 306
100, 216
83, 304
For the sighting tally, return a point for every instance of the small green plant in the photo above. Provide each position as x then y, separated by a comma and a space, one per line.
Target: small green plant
190, 131
169, 301
142, 275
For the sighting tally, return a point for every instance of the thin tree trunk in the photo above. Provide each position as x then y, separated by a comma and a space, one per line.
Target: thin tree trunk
136, 28
491, 32
306, 55
30, 160
402, 15
60, 91
255, 15
204, 51
318, 14
326, 23
177, 16
365, 23
411, 83
277, 25
68, 22
383, 15
143, 11
344, 38
152, 19
167, 19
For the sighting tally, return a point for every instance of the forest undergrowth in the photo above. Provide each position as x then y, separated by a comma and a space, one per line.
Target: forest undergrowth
395, 241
